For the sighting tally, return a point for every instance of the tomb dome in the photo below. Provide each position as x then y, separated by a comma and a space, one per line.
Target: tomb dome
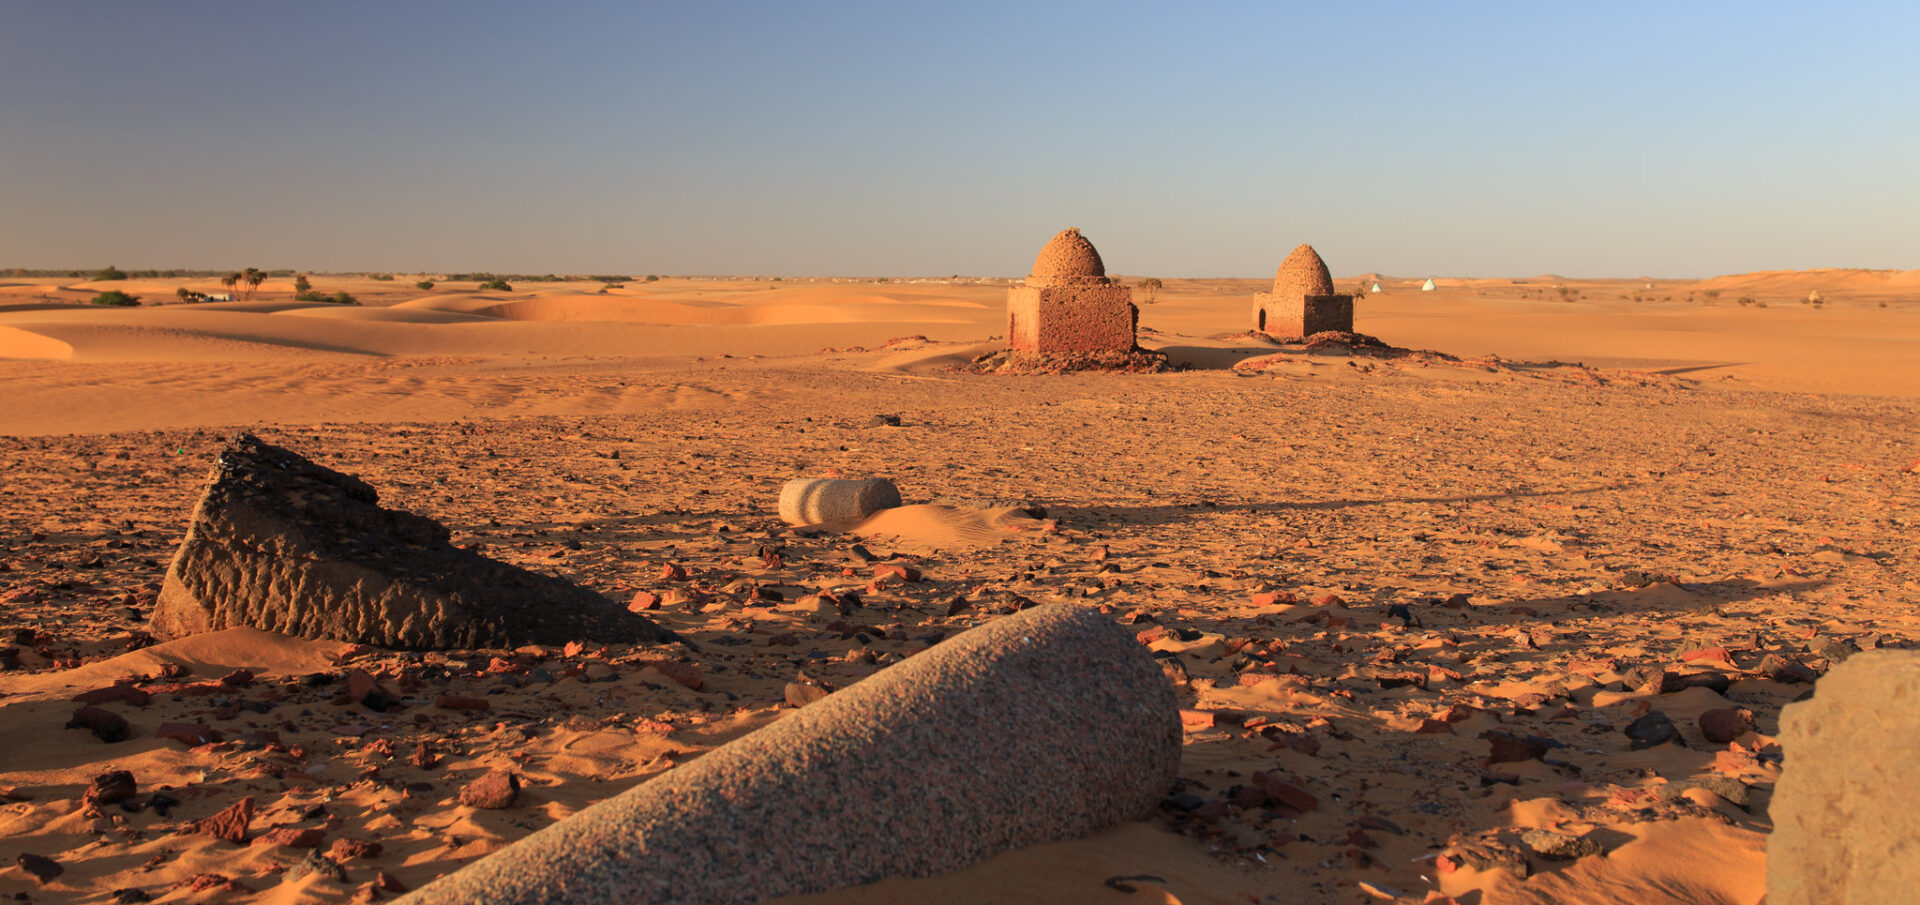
1068, 260
1302, 274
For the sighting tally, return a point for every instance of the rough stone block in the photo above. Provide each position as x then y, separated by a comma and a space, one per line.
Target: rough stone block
281, 544
1298, 318
1048, 724
1843, 814
1098, 318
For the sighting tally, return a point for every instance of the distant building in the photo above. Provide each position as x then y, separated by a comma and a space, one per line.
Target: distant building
221, 297
1302, 302
1427, 286
1069, 305
1376, 288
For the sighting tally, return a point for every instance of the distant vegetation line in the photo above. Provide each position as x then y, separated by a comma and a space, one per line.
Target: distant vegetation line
111, 272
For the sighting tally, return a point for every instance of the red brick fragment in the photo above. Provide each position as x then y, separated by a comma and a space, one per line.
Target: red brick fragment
494, 790
192, 735
684, 673
292, 837
230, 824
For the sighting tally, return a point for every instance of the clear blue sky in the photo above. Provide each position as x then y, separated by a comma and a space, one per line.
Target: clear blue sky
898, 138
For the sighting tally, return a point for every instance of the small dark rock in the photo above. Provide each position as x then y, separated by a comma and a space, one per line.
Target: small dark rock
105, 725
111, 788
1833, 650
366, 691
161, 803
1733, 790
1786, 670
1717, 682
1652, 680
494, 790
1508, 747
352, 849
1651, 730
1184, 801
316, 863
1724, 724
1559, 846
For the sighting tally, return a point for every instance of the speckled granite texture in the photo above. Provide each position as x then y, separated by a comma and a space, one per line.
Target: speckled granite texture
282, 544
1069, 305
1843, 813
1048, 724
1302, 302
835, 501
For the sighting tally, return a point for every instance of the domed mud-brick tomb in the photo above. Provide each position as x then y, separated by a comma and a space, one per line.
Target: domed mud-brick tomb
1069, 305
1302, 302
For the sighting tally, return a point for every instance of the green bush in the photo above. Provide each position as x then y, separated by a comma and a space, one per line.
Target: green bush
116, 298
110, 272
653, 278
423, 284
300, 283
381, 277
610, 278
338, 298
497, 284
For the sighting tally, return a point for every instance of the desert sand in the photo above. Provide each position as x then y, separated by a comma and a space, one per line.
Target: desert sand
1436, 591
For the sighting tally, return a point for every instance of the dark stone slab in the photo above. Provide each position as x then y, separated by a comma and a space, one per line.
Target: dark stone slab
282, 544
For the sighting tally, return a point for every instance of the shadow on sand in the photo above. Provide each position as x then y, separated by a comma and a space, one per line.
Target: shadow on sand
1168, 514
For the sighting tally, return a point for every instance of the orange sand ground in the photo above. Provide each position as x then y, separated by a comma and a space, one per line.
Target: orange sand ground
1722, 482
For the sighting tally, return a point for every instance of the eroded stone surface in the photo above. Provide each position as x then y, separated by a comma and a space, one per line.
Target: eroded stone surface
281, 544
1068, 260
1843, 807
1048, 724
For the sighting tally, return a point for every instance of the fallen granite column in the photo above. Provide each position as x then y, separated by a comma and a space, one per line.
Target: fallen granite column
1049, 724
1842, 811
835, 502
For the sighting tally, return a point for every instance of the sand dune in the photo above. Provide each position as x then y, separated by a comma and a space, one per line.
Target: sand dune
1362, 572
1903, 285
18, 343
926, 527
